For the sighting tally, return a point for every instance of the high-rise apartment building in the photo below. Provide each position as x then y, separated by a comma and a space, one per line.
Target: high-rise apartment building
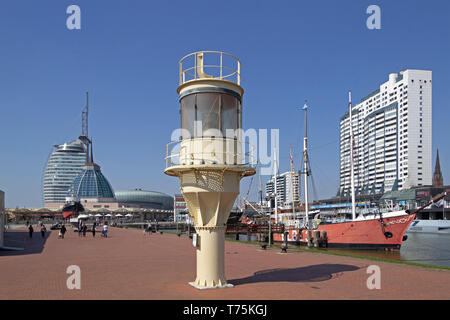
392, 136
287, 188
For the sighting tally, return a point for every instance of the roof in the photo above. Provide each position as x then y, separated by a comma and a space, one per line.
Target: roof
401, 195
91, 183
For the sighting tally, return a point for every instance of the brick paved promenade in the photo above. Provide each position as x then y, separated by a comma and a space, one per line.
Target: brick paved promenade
129, 265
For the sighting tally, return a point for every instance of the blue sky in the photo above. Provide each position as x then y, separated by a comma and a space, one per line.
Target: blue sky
126, 55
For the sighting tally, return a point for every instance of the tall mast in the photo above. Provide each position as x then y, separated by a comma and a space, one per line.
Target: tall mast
305, 164
260, 190
352, 177
292, 182
275, 174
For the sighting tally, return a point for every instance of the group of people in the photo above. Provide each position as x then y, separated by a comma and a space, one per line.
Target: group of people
82, 229
40, 225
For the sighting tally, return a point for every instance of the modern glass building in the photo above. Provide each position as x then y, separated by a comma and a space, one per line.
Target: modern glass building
144, 199
64, 163
91, 185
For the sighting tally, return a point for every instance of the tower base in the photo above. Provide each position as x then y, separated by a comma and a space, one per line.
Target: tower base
228, 285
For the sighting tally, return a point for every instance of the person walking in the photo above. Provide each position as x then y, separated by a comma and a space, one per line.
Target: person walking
63, 231
43, 230
30, 231
84, 228
93, 229
80, 229
149, 229
105, 230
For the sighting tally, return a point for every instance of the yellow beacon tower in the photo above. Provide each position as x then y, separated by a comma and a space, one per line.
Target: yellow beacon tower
210, 158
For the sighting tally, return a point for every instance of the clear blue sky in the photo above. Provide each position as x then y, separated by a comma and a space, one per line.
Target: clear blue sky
126, 55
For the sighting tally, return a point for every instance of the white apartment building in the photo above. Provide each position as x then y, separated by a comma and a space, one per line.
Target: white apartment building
392, 136
287, 188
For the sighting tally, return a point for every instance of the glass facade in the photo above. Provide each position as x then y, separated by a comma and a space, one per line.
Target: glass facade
63, 165
90, 183
145, 199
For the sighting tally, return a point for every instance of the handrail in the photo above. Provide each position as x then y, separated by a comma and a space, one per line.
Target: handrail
248, 157
221, 68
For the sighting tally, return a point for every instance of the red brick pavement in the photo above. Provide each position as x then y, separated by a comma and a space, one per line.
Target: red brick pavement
129, 265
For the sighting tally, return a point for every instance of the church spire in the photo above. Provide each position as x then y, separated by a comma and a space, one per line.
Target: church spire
438, 180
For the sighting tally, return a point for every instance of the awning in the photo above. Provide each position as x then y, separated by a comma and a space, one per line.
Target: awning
67, 214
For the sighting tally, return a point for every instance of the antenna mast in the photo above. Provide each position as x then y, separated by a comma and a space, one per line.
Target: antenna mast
84, 118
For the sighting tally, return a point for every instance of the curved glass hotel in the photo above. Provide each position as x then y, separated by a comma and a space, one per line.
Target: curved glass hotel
63, 165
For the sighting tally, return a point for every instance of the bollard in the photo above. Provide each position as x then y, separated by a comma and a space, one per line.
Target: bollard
284, 246
324, 238
309, 238
316, 240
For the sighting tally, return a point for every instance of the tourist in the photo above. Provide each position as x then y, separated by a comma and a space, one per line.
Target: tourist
30, 231
93, 229
79, 229
63, 231
105, 230
43, 230
149, 229
84, 228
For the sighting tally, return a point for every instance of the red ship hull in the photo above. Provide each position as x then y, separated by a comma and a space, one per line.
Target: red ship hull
365, 234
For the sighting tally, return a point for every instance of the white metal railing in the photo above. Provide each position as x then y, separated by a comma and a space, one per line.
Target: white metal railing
199, 70
177, 155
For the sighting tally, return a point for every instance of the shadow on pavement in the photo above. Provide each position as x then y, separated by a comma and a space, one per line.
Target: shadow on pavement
315, 273
21, 239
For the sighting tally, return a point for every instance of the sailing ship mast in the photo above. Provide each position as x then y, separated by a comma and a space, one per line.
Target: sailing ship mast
352, 177
292, 182
305, 166
275, 174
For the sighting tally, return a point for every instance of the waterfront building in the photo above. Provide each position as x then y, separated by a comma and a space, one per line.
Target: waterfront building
92, 188
287, 188
144, 199
64, 163
180, 210
392, 136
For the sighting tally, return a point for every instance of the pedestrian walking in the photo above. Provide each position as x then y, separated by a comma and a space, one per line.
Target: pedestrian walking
93, 229
149, 229
84, 229
63, 231
30, 231
43, 230
80, 231
105, 230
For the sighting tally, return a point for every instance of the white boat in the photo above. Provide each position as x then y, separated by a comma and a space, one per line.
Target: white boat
430, 226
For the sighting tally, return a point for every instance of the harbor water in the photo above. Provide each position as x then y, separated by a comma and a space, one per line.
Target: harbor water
423, 248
